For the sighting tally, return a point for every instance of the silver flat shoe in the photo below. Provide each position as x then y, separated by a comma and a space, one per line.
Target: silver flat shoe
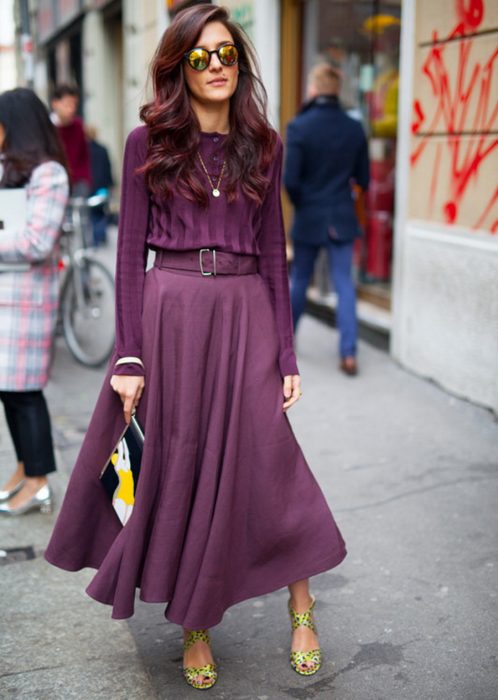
42, 501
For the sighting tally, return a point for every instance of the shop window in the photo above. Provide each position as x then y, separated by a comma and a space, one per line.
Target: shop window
362, 40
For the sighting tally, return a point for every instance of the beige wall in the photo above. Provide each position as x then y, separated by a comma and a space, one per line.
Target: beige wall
117, 55
445, 290
142, 30
454, 163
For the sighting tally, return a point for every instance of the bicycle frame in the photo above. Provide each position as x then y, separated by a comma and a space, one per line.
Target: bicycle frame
77, 263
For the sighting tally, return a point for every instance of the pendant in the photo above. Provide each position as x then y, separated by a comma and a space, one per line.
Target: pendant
216, 192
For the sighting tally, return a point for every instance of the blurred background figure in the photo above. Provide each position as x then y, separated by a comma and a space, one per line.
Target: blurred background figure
102, 182
64, 103
31, 158
326, 151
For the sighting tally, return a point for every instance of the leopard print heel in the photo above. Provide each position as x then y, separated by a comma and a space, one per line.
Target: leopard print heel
298, 658
192, 673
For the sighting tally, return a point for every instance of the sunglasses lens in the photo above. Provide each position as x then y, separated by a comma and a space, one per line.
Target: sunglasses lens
198, 59
228, 55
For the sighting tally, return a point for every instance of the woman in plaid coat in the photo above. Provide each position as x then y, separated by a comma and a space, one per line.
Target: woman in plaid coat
31, 157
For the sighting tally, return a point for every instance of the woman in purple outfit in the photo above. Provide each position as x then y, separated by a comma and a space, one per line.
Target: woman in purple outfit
226, 507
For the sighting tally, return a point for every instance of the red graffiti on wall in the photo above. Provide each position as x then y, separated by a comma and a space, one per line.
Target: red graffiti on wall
463, 108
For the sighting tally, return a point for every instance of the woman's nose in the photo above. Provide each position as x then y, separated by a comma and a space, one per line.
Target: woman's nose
215, 63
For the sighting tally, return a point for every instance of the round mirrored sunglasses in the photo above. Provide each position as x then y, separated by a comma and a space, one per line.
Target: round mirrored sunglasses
199, 58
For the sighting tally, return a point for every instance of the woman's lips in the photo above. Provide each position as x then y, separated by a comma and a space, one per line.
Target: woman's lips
218, 82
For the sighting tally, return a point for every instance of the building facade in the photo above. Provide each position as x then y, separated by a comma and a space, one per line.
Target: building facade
420, 76
423, 79
103, 46
445, 293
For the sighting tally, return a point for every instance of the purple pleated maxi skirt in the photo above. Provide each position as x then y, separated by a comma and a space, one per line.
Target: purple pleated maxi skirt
226, 506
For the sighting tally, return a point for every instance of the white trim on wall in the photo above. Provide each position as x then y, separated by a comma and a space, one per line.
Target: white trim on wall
405, 99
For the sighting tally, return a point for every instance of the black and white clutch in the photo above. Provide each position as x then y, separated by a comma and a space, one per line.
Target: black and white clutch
120, 475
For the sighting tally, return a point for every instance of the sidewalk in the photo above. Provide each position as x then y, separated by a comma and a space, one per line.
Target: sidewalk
411, 476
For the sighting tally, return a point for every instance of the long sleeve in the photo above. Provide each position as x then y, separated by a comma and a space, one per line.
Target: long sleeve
361, 171
273, 265
131, 254
293, 164
47, 193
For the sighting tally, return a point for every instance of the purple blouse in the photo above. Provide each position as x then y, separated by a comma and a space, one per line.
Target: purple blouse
177, 223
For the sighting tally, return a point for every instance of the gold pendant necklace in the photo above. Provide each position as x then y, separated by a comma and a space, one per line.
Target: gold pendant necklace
214, 188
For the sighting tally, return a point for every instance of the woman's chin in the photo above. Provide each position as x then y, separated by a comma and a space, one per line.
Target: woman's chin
214, 98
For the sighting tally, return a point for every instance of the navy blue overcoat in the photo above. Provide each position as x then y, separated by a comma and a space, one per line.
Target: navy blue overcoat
326, 149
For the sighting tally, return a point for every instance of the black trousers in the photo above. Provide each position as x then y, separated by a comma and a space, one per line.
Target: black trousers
29, 424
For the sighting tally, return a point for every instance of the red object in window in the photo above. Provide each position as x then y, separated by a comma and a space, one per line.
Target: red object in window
379, 245
380, 195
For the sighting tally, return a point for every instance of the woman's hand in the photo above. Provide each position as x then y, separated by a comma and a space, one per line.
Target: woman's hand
130, 390
292, 390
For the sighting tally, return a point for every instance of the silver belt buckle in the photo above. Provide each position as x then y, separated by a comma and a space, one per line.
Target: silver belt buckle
213, 252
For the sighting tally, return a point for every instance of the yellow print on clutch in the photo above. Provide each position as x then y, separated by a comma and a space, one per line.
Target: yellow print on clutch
123, 498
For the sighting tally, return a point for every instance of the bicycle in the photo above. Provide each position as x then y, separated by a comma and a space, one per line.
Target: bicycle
87, 290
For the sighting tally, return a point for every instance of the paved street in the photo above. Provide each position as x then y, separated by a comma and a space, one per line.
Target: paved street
411, 475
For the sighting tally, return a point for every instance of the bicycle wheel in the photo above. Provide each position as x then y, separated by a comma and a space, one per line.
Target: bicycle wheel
87, 310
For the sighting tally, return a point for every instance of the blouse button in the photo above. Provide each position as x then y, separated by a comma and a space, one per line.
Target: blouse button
215, 158
216, 139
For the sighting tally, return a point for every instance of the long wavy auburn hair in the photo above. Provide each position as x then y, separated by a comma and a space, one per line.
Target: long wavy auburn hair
174, 130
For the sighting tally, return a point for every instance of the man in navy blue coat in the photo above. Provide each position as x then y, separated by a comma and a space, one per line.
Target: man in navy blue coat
326, 151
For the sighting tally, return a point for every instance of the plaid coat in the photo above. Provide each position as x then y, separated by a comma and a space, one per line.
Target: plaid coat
29, 295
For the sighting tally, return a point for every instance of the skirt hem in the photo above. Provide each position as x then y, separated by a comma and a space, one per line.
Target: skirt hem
269, 588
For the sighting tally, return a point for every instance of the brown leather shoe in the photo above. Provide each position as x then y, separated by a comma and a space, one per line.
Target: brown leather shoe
348, 366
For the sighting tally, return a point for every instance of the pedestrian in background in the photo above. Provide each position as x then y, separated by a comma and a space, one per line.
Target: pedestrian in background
31, 157
226, 506
64, 103
102, 182
326, 151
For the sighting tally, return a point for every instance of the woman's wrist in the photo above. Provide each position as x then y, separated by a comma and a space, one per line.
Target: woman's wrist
129, 361
129, 366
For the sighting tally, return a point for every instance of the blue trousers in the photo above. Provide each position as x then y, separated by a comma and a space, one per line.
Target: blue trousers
340, 257
99, 221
